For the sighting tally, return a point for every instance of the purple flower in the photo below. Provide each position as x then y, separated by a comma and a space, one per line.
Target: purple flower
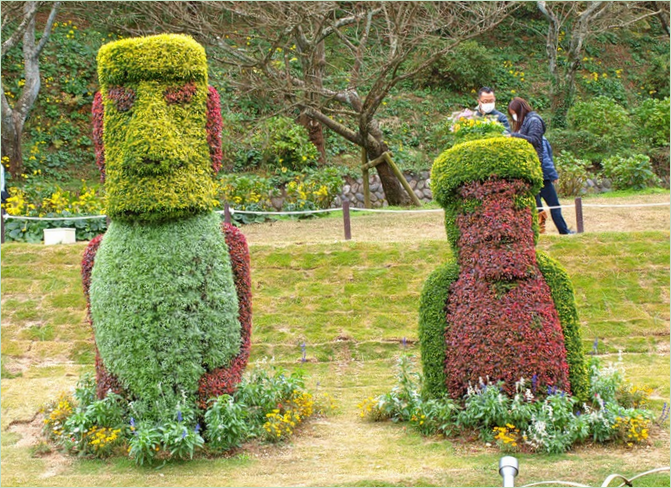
197, 429
179, 415
404, 342
595, 346
534, 382
184, 434
132, 422
303, 358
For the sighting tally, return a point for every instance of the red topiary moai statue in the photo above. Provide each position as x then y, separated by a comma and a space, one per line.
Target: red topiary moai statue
502, 311
168, 286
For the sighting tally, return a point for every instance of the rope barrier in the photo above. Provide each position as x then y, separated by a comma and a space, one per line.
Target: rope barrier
337, 209
84, 217
297, 212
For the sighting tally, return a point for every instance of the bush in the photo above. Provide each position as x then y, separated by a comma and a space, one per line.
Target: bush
606, 124
572, 174
527, 418
470, 66
633, 172
283, 143
652, 118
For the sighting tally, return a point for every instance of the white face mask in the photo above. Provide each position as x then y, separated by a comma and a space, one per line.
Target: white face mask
487, 107
514, 117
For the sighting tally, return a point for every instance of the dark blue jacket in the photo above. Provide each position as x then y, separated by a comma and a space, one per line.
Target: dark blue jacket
533, 130
499, 116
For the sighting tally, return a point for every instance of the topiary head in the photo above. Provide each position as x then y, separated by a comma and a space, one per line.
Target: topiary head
157, 128
498, 158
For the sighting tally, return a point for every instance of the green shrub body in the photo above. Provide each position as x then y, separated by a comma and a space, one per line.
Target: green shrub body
164, 306
432, 325
157, 159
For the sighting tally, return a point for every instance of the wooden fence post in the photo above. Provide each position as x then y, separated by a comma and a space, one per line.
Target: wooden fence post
346, 220
578, 215
227, 213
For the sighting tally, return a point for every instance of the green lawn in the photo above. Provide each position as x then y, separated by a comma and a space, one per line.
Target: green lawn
351, 304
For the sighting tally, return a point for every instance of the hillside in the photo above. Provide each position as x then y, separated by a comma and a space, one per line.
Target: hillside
623, 65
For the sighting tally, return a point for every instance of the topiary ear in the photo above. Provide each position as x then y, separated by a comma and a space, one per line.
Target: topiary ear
98, 113
214, 126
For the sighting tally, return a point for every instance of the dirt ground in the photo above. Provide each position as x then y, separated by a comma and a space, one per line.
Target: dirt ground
600, 214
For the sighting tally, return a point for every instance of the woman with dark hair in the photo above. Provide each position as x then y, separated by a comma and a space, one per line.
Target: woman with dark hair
528, 125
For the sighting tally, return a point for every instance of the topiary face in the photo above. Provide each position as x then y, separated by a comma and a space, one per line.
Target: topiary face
160, 128
481, 160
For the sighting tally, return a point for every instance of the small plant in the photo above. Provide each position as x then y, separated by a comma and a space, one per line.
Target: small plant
226, 426
633, 172
507, 437
145, 442
572, 173
632, 430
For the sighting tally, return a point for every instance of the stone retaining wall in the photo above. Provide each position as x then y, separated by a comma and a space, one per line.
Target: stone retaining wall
353, 190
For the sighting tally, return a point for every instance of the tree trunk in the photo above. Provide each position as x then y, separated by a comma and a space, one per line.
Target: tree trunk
315, 133
393, 191
11, 145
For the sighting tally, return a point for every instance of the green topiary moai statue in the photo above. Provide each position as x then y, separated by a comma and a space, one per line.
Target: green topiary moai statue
168, 287
503, 310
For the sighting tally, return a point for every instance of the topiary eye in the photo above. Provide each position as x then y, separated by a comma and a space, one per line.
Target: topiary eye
180, 95
122, 96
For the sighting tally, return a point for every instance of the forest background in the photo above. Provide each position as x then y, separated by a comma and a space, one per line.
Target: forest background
306, 87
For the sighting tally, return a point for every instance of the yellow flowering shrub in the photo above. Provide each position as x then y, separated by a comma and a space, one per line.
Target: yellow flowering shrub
632, 430
283, 421
507, 436
55, 414
102, 440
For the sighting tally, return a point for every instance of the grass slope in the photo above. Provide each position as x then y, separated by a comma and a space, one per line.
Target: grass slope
352, 304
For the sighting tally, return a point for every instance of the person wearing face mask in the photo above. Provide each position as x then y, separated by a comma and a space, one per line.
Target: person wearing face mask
487, 104
528, 125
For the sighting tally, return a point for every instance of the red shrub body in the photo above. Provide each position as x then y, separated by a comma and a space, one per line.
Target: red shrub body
224, 380
123, 97
98, 113
503, 324
213, 127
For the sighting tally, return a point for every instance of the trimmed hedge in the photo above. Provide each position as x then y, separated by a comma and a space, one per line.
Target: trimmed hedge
165, 57
432, 327
160, 129
164, 307
563, 297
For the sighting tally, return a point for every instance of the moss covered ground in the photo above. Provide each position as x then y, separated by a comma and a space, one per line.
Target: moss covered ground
351, 303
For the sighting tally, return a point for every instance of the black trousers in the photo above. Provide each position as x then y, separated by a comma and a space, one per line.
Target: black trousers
549, 194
